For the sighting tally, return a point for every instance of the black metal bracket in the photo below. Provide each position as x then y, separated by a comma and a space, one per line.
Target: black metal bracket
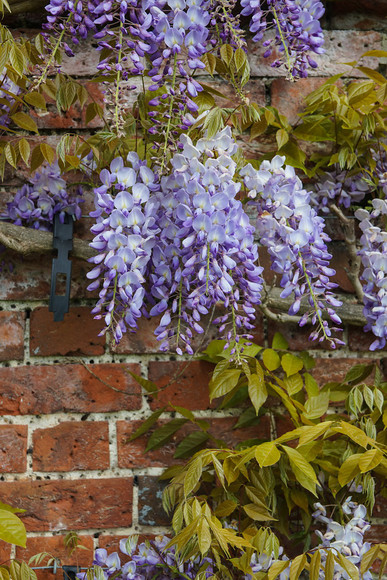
70, 572
61, 267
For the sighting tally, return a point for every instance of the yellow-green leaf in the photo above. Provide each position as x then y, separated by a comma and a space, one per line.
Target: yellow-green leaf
24, 121
349, 567
35, 99
329, 566
349, 469
256, 513
271, 359
277, 567
193, 475
25, 150
267, 454
226, 508
12, 529
17, 59
282, 137
297, 566
291, 364
257, 388
10, 155
369, 460
368, 559
317, 406
314, 566
226, 53
47, 152
293, 384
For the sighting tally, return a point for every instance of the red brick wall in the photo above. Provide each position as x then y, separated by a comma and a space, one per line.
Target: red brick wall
68, 402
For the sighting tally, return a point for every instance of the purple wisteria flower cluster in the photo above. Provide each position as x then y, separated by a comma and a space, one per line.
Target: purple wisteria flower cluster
46, 194
294, 235
126, 233
373, 254
297, 31
176, 247
347, 539
148, 560
338, 187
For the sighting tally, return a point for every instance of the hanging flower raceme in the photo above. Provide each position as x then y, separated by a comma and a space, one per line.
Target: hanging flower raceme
68, 19
47, 194
294, 235
347, 540
207, 254
297, 31
373, 254
126, 232
336, 187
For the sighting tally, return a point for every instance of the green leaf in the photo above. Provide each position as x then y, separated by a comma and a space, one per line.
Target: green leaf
317, 406
349, 567
314, 566
277, 567
311, 433
369, 460
24, 121
297, 566
162, 435
358, 373
349, 469
9, 508
368, 559
329, 565
291, 364
47, 152
282, 137
271, 359
257, 388
204, 536
35, 99
12, 529
303, 471
293, 384
354, 433
193, 475
226, 53
256, 513
240, 58
10, 155
147, 424
279, 342
17, 59
223, 383
267, 454
149, 386
372, 74
311, 385
191, 444
377, 53
25, 150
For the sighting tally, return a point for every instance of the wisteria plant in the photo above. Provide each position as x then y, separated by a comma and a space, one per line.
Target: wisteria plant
172, 190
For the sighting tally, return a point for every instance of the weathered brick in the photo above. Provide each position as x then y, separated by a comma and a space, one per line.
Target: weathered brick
131, 454
50, 389
55, 546
70, 446
359, 14
377, 533
75, 117
13, 448
289, 98
144, 340
31, 278
360, 341
340, 46
150, 510
5, 553
296, 336
334, 369
71, 505
182, 383
76, 335
11, 335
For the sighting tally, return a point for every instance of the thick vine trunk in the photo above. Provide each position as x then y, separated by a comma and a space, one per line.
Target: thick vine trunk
20, 6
